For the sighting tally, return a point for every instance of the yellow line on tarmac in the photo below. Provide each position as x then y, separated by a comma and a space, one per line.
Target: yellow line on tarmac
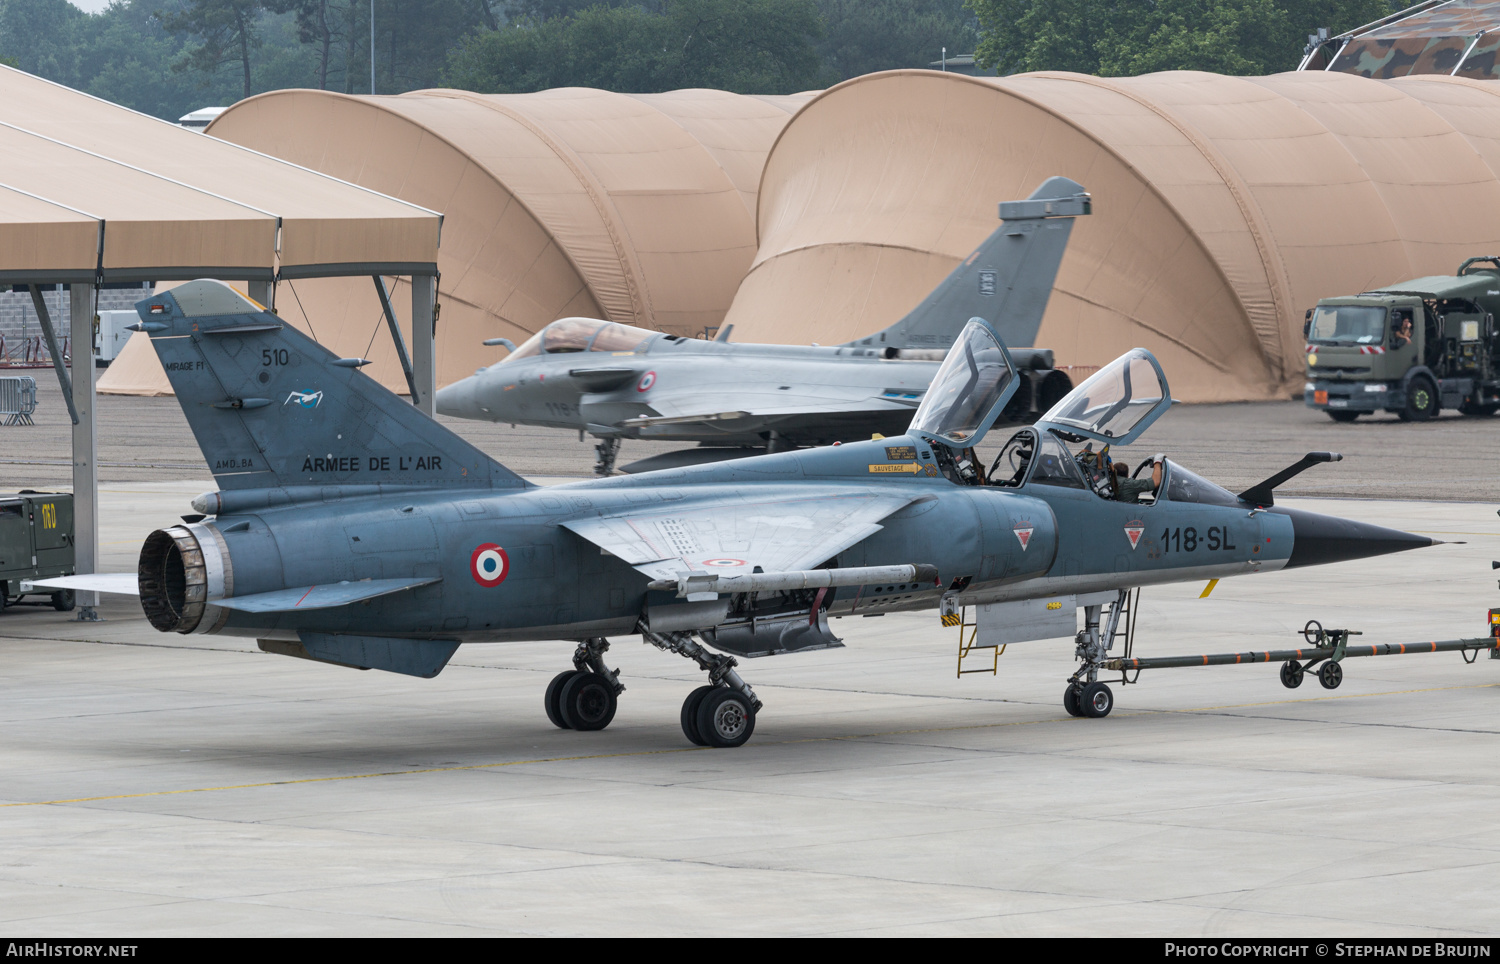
694, 749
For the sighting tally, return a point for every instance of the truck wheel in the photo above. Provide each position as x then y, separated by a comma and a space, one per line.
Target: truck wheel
64, 600
1343, 416
1421, 400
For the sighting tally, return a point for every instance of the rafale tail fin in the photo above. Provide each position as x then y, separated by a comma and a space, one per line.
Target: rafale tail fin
1006, 281
271, 408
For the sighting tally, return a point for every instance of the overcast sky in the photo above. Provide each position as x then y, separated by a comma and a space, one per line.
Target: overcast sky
92, 6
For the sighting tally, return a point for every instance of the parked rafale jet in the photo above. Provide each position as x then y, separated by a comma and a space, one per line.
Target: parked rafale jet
617, 382
349, 528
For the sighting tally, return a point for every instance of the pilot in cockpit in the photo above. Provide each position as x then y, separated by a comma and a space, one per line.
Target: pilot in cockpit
1131, 490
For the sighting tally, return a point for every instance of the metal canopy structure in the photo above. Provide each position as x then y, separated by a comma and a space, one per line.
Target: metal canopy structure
91, 192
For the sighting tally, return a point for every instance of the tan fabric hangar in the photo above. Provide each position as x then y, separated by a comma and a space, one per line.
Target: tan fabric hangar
1224, 207
635, 208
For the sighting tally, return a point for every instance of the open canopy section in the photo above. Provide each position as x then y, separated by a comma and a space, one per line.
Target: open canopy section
1115, 404
969, 390
169, 203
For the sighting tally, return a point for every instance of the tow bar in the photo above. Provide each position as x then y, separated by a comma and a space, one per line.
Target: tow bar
1326, 646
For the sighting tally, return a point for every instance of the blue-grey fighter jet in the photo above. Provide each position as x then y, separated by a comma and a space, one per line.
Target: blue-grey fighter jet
349, 528
617, 382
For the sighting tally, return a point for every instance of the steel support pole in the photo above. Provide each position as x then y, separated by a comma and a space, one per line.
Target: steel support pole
45, 320
396, 339
85, 445
423, 338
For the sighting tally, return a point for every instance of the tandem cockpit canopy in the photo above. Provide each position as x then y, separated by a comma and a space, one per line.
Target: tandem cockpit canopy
1114, 406
581, 334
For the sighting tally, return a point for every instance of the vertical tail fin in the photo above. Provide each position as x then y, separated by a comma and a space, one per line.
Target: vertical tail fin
272, 408
1006, 281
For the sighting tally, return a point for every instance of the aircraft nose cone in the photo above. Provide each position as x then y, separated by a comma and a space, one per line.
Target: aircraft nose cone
457, 399
1320, 539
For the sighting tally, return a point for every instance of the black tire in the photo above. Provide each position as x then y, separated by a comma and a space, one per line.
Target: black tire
552, 700
690, 715
1096, 701
1331, 674
64, 600
1483, 410
1291, 674
725, 718
1343, 416
1070, 700
587, 702
1421, 400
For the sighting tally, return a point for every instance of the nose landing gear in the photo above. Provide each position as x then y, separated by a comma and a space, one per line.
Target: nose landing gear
1086, 695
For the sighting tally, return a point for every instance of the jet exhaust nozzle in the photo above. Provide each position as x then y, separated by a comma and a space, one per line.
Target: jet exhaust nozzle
181, 570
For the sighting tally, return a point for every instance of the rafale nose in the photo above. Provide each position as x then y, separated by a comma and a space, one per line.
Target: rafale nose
457, 399
1320, 539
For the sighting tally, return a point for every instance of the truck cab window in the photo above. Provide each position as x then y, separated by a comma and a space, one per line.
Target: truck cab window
1347, 325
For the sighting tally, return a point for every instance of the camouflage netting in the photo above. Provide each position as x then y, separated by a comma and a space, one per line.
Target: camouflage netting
1457, 38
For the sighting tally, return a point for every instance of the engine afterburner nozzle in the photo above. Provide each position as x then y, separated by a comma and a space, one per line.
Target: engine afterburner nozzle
1320, 539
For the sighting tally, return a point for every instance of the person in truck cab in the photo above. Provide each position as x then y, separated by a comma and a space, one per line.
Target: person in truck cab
1401, 329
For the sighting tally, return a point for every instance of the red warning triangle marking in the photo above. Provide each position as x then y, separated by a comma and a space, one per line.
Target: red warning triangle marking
1023, 533
1133, 533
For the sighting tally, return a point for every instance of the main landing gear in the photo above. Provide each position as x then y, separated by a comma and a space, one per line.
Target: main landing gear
606, 450
586, 696
721, 714
1086, 695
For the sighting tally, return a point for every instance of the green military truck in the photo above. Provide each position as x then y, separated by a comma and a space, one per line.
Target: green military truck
1413, 348
36, 542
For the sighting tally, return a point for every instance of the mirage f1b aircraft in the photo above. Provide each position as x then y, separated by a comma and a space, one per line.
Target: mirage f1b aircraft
617, 382
349, 528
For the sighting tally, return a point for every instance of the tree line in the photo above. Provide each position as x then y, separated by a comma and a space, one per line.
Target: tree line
168, 57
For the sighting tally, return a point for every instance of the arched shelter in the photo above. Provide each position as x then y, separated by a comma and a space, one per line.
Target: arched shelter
633, 208
1224, 206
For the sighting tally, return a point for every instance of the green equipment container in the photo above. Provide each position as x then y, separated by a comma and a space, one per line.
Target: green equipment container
36, 542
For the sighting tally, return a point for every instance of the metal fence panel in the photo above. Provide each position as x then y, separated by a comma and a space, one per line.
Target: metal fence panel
17, 399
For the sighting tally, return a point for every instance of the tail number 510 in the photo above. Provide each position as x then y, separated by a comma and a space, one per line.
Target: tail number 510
1188, 539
